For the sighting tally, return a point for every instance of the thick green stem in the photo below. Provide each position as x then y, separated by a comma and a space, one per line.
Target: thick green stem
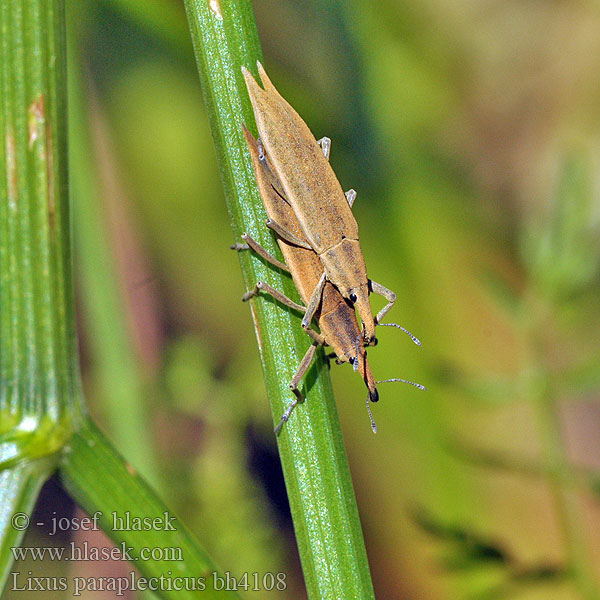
312, 452
40, 398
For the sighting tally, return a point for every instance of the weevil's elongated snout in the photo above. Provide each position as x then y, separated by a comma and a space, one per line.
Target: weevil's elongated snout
365, 371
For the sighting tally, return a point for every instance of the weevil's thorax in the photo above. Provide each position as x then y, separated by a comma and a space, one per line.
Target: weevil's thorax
345, 267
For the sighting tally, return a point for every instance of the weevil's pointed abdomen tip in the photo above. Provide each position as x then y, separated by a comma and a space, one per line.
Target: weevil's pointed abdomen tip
248, 77
264, 78
374, 395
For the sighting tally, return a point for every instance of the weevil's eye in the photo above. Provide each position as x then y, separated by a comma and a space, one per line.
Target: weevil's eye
353, 298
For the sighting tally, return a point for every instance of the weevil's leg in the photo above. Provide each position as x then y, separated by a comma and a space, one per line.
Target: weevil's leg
390, 296
351, 197
286, 235
302, 368
254, 245
262, 286
328, 358
316, 336
313, 303
325, 144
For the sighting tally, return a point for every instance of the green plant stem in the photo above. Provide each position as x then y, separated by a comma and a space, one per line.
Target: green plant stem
19, 489
311, 448
40, 396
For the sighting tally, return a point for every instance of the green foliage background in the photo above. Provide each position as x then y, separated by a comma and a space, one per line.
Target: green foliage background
470, 132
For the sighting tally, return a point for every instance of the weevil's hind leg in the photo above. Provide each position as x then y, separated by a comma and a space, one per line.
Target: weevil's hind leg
390, 296
254, 245
302, 369
313, 303
265, 287
325, 144
351, 197
286, 235
261, 286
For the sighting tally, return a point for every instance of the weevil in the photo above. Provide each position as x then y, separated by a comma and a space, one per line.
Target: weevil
322, 209
336, 318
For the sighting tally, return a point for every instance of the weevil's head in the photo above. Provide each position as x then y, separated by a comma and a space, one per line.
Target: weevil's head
359, 297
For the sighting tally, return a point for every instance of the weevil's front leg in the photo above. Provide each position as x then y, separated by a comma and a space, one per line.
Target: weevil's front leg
286, 235
302, 369
390, 296
254, 245
313, 302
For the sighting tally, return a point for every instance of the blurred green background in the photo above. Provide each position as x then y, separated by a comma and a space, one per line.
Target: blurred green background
470, 132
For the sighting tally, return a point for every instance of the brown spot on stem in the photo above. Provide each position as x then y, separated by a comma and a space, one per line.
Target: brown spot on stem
11, 170
37, 118
39, 128
215, 6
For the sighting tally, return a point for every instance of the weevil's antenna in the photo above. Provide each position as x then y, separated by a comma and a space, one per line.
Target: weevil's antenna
373, 426
417, 385
355, 363
414, 338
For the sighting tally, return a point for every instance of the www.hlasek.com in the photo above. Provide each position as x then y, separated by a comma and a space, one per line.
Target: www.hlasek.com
27, 582
84, 552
